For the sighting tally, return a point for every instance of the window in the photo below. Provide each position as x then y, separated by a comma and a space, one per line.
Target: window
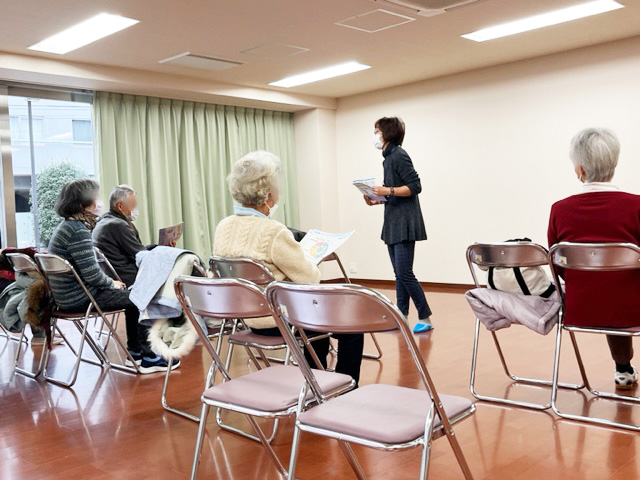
82, 131
62, 150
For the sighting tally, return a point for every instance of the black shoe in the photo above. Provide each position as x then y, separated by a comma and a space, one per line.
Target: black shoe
157, 364
137, 356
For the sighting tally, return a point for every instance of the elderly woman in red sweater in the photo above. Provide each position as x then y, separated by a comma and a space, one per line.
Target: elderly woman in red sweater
601, 213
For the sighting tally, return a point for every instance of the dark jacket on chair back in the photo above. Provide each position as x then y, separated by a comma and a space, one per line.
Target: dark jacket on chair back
403, 220
119, 240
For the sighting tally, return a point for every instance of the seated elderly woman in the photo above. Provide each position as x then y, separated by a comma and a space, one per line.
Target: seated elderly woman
71, 240
601, 213
251, 233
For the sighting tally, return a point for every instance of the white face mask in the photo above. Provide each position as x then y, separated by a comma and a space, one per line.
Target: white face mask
99, 208
135, 213
377, 141
272, 210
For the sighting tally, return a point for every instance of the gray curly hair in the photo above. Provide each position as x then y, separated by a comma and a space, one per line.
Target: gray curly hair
253, 176
596, 150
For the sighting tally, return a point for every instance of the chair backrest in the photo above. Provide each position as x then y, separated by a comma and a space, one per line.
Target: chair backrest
105, 264
219, 298
505, 255
22, 263
337, 308
222, 297
53, 264
606, 257
593, 257
340, 308
246, 268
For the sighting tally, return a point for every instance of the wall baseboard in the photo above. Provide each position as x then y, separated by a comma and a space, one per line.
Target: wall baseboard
391, 285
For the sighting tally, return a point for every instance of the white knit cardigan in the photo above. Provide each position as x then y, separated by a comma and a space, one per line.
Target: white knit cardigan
268, 242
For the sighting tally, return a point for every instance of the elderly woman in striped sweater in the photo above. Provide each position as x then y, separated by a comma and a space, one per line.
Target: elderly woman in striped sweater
78, 204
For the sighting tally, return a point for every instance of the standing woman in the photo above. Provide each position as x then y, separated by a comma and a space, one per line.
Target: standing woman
403, 223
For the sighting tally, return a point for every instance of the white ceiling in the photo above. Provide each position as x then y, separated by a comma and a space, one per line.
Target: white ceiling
421, 49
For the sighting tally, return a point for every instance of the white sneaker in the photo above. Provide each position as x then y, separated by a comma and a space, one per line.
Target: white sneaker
625, 381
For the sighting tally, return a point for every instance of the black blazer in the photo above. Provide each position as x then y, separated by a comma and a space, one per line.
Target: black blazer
120, 242
403, 220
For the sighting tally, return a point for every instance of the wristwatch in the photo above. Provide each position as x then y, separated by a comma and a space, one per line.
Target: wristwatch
391, 191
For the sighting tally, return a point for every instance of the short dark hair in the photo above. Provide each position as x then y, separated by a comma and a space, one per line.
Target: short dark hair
392, 129
75, 196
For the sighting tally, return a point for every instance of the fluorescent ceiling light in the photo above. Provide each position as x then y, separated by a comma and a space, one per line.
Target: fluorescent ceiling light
320, 74
84, 33
544, 20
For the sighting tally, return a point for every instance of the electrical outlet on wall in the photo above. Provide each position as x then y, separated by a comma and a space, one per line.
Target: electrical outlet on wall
353, 268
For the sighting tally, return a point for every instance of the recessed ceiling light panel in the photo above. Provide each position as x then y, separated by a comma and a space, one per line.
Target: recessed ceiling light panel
83, 33
320, 74
554, 17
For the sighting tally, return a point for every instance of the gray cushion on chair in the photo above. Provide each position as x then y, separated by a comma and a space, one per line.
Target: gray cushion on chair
271, 389
381, 413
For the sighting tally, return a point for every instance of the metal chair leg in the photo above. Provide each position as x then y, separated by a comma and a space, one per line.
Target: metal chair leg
201, 430
514, 378
163, 400
352, 459
76, 366
295, 450
266, 443
11, 338
607, 395
41, 362
374, 356
426, 443
169, 408
120, 344
230, 428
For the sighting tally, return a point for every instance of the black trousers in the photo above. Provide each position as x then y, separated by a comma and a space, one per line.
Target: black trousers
137, 335
350, 348
407, 285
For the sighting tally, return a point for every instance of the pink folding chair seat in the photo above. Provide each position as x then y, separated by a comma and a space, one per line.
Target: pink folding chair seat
272, 389
249, 338
381, 413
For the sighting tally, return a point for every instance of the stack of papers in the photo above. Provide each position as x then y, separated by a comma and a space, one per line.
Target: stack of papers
366, 187
318, 245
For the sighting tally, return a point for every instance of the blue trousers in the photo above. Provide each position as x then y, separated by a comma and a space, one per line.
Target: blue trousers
407, 285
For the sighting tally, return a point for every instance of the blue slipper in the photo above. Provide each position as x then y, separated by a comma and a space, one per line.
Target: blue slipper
422, 326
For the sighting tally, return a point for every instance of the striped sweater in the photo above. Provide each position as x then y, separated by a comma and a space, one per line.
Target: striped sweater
71, 240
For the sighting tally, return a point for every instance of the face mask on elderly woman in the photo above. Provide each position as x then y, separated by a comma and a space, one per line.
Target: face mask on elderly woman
272, 210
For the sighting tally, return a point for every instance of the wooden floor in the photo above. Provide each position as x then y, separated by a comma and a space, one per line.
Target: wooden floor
111, 425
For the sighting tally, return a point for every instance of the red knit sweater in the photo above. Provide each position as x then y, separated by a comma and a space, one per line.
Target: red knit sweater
601, 299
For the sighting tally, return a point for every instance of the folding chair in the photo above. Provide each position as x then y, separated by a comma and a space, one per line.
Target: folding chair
271, 392
225, 329
22, 263
384, 417
507, 255
52, 265
591, 257
372, 356
261, 276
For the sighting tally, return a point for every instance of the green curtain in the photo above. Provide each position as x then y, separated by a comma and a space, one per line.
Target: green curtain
177, 154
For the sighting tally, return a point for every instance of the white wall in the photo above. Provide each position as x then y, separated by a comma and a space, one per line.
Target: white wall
317, 172
491, 147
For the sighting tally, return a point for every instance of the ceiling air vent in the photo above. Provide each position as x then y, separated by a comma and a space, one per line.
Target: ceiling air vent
426, 8
202, 62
